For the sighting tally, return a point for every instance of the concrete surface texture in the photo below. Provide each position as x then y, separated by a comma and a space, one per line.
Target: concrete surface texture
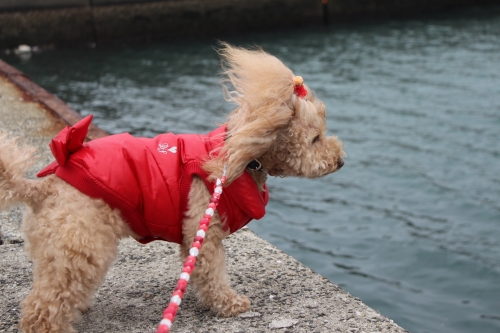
42, 22
36, 4
286, 296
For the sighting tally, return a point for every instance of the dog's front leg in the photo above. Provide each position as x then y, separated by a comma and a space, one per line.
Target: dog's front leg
209, 277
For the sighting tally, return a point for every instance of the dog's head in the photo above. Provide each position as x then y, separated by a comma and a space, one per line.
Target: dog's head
274, 122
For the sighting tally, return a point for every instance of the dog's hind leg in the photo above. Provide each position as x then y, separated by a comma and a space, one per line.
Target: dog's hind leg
72, 240
210, 278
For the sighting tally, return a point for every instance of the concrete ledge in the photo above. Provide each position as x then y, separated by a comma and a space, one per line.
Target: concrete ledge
36, 4
169, 19
286, 296
47, 26
103, 21
179, 19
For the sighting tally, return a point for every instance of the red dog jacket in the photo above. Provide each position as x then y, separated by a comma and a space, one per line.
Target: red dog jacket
149, 180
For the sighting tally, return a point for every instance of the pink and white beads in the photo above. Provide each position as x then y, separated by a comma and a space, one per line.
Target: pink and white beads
171, 310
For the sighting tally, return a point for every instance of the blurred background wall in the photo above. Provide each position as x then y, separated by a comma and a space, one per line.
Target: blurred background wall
44, 22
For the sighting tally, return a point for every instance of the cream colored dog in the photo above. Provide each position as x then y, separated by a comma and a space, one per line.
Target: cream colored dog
273, 123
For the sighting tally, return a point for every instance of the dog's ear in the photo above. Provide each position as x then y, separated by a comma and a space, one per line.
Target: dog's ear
250, 140
246, 140
263, 90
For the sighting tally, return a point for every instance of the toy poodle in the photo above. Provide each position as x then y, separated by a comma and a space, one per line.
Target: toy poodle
98, 192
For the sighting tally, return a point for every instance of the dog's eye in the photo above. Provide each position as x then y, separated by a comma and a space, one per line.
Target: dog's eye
316, 139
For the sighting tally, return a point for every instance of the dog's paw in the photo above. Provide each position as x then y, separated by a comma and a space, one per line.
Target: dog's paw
233, 306
44, 325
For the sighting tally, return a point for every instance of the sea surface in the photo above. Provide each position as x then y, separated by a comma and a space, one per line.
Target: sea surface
411, 224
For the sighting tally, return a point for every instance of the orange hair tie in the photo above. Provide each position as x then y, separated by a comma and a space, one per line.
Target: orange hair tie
299, 88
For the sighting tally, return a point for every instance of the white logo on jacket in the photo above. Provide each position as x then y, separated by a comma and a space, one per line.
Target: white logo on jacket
164, 149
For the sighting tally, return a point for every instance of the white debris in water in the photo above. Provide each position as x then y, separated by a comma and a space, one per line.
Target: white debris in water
23, 48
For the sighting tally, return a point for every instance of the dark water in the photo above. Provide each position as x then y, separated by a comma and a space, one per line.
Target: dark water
411, 223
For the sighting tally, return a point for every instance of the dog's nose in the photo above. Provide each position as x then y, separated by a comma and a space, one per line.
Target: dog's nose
340, 163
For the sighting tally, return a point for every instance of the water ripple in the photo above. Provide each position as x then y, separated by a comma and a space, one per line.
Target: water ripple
355, 271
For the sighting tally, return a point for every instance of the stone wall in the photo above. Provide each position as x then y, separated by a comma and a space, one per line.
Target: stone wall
40, 22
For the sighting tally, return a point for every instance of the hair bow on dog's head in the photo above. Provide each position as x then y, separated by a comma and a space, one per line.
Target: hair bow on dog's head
299, 88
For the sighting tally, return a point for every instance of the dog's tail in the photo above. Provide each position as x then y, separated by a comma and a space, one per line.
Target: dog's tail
14, 163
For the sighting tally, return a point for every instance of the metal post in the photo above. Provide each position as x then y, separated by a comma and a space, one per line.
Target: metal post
325, 11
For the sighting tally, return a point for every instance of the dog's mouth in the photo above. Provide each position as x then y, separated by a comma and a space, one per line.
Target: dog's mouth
273, 172
277, 172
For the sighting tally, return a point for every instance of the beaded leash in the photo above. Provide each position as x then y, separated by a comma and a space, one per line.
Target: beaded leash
171, 310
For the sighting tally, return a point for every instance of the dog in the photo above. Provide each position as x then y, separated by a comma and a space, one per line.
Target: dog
74, 220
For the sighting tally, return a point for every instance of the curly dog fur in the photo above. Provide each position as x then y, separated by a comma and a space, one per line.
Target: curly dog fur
72, 239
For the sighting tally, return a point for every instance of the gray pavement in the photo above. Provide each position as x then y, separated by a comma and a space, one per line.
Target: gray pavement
286, 296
